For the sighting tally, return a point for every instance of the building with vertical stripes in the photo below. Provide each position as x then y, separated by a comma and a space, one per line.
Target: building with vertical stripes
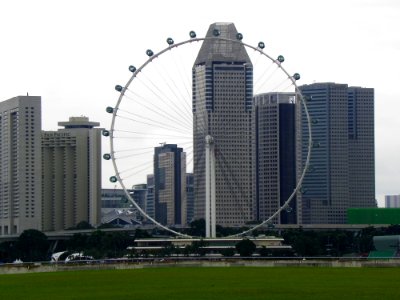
71, 164
342, 167
222, 103
20, 164
274, 155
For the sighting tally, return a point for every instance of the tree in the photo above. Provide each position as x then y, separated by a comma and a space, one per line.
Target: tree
197, 228
227, 252
197, 247
245, 247
77, 242
83, 225
32, 245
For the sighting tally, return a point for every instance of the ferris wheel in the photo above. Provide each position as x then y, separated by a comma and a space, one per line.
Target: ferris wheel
155, 108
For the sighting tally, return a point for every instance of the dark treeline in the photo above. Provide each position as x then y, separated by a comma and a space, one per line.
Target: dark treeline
33, 245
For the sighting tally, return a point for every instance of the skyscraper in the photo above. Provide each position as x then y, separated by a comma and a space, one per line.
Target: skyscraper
361, 147
342, 159
71, 174
170, 184
274, 155
189, 198
20, 169
222, 102
392, 201
150, 209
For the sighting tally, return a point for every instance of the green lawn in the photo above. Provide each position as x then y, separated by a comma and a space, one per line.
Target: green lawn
206, 283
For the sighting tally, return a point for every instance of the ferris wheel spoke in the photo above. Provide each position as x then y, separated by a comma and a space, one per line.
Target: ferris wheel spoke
154, 89
154, 109
285, 82
263, 86
133, 155
175, 90
135, 133
139, 171
179, 126
154, 125
186, 81
134, 149
138, 166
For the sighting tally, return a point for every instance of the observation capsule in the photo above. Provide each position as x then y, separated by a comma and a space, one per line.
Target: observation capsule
109, 109
281, 59
118, 88
107, 156
113, 179
303, 190
261, 45
307, 98
149, 53
106, 133
315, 121
239, 36
296, 76
216, 32
132, 68
170, 41
192, 34
288, 209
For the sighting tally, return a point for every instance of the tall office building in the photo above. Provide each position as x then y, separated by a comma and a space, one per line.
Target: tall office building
361, 147
341, 173
222, 102
274, 155
71, 174
189, 198
20, 169
392, 201
170, 184
150, 206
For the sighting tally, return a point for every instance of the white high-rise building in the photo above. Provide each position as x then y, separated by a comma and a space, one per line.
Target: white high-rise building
20, 164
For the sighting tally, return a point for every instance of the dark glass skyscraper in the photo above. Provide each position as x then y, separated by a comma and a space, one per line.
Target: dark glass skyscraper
274, 155
170, 184
342, 173
222, 102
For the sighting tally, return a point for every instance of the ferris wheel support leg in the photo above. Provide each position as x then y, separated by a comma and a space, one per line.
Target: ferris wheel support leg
212, 192
210, 188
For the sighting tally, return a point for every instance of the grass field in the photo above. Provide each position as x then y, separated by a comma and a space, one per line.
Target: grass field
206, 283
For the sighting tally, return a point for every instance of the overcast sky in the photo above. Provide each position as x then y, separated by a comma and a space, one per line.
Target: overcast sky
72, 53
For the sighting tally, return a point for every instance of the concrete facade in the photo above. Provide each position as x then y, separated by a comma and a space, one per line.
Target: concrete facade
222, 97
20, 169
71, 174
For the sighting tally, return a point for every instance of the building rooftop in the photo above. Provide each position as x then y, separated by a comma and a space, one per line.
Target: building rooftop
78, 122
217, 50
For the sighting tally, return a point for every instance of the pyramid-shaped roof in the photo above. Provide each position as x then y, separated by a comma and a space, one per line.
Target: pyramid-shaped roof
217, 50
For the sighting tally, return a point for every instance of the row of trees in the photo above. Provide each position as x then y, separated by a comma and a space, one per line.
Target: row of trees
33, 245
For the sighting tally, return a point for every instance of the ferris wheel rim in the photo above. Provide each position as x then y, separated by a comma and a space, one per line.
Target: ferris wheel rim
152, 57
